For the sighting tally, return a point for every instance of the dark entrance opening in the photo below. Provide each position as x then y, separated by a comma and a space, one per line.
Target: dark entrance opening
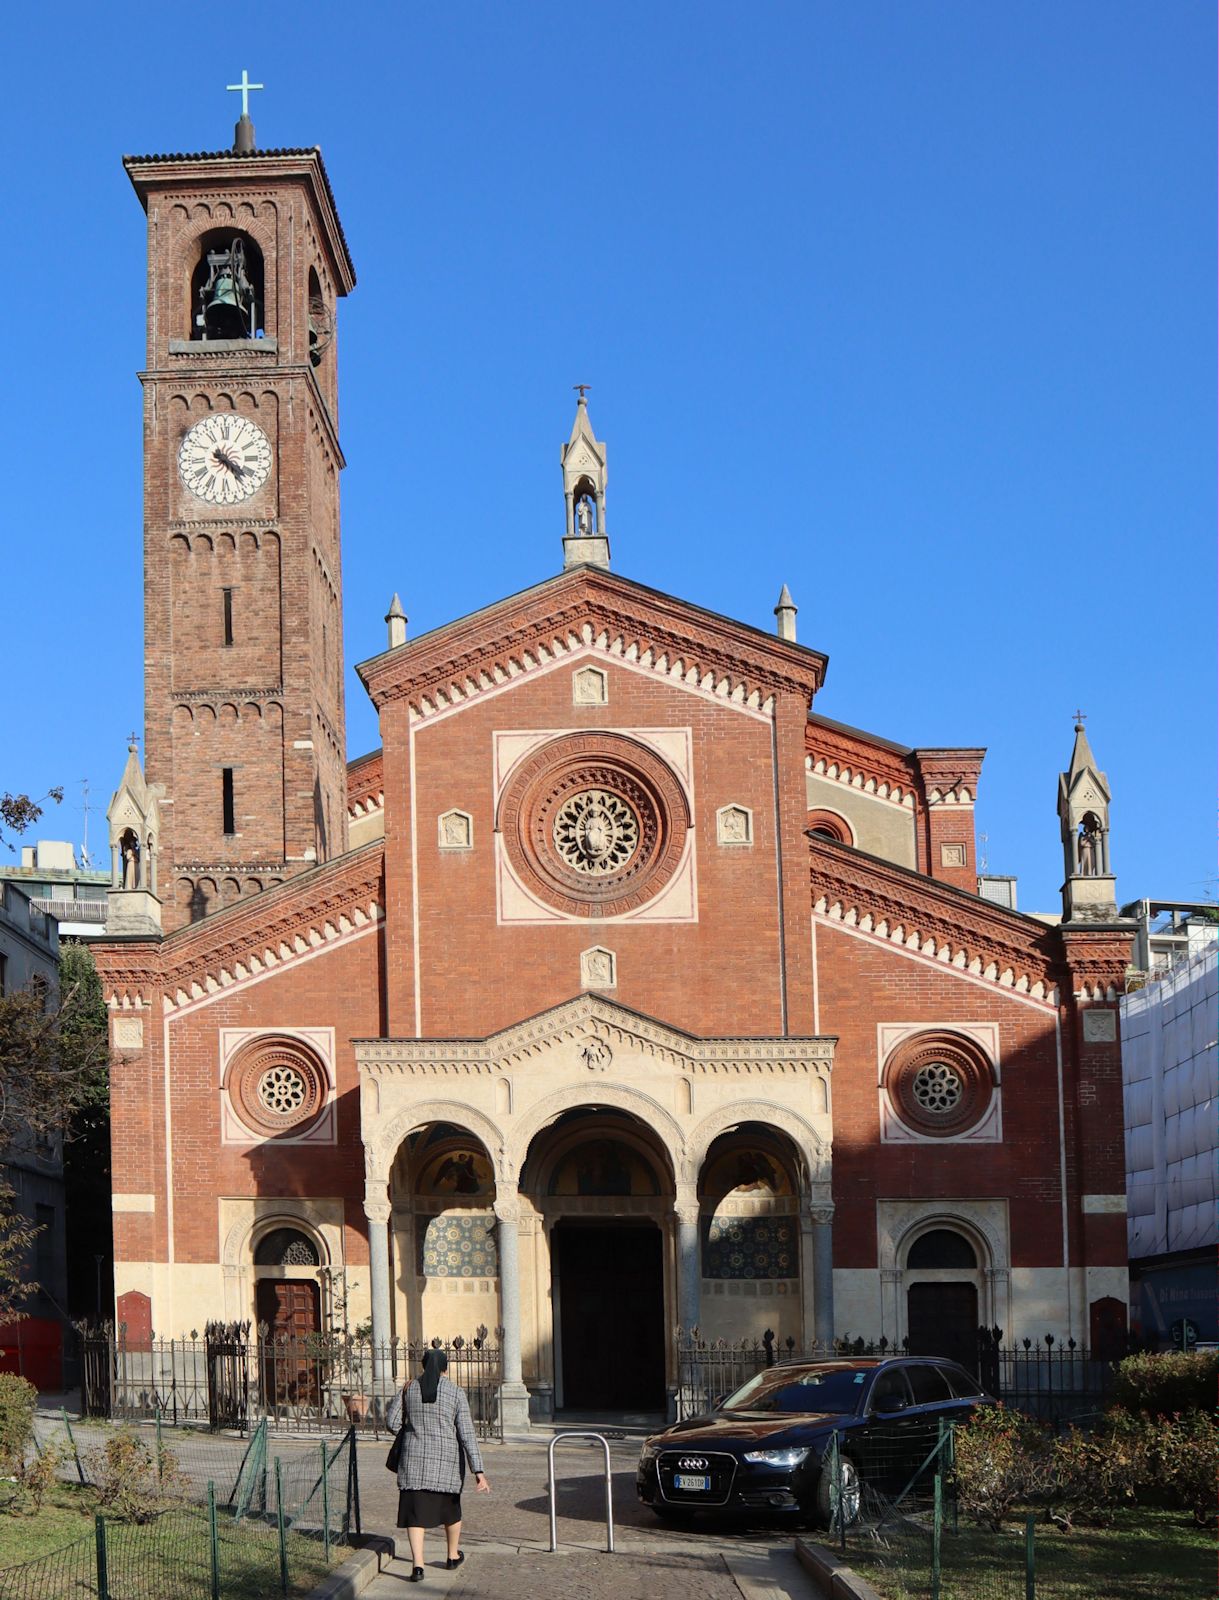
943, 1321
610, 1289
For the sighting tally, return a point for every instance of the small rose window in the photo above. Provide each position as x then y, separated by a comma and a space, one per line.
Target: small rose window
939, 1083
277, 1085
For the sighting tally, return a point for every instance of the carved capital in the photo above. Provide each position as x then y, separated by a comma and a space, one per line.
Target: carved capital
687, 1214
507, 1210
377, 1211
820, 1215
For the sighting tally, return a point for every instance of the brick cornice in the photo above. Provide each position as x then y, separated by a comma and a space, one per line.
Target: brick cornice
1098, 956
852, 757
365, 784
582, 609
949, 925
310, 910
228, 170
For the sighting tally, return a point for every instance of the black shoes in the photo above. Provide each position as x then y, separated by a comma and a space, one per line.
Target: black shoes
416, 1575
455, 1561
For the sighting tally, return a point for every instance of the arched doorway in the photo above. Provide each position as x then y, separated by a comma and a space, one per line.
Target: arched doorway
446, 1257
603, 1187
942, 1301
748, 1191
288, 1313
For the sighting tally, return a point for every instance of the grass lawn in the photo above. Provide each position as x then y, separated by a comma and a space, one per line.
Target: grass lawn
1144, 1555
168, 1558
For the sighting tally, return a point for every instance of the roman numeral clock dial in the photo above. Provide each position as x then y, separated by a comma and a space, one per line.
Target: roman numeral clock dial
224, 459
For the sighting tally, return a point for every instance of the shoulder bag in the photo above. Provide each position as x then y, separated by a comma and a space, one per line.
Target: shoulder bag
394, 1458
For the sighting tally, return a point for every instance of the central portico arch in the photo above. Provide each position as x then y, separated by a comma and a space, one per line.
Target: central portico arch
592, 1056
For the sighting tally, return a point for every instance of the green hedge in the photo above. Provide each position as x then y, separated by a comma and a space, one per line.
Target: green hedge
1168, 1384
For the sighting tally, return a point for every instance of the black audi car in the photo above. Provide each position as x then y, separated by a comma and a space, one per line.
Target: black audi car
767, 1448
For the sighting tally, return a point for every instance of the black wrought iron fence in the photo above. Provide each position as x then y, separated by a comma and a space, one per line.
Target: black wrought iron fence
235, 1377
1055, 1382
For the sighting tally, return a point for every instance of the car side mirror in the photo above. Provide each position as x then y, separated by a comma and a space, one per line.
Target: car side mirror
717, 1401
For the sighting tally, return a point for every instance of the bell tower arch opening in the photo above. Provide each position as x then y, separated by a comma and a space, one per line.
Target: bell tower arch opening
227, 291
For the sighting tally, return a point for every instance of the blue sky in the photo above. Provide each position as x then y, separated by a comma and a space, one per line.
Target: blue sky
909, 305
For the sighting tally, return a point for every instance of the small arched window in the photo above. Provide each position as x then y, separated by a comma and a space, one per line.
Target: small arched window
942, 1248
285, 1247
321, 319
227, 287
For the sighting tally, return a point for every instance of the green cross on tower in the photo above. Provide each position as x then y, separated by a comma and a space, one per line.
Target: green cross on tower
245, 86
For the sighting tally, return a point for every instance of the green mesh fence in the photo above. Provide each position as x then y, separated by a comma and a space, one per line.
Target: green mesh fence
228, 1520
70, 1571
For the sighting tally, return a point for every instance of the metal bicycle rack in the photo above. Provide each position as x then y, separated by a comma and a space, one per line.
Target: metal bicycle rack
609, 1490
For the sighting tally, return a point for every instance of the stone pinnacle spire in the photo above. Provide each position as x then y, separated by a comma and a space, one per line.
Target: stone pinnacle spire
785, 611
583, 458
395, 617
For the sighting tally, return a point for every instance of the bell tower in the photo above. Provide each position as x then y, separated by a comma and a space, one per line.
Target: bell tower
243, 634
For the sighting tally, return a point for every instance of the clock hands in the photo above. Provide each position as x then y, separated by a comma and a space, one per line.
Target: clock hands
225, 460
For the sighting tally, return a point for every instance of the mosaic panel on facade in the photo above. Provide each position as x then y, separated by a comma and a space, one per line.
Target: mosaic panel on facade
751, 1247
453, 1246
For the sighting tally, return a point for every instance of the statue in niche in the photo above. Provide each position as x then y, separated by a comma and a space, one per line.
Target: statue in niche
129, 845
584, 518
1089, 847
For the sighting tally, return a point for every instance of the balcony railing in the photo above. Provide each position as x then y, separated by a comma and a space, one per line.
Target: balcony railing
73, 910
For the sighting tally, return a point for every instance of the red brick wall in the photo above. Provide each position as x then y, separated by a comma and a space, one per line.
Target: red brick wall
280, 685
861, 985
339, 988
721, 974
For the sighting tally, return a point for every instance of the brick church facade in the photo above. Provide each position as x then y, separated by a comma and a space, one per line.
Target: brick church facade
618, 992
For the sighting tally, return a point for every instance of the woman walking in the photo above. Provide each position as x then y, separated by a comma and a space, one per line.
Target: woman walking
439, 1442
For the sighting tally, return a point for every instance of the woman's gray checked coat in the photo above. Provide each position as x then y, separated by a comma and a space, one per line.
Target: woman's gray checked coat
437, 1438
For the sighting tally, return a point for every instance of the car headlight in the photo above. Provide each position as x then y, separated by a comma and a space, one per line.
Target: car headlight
650, 1450
778, 1458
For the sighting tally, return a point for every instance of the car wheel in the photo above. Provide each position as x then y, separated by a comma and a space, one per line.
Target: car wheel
829, 1511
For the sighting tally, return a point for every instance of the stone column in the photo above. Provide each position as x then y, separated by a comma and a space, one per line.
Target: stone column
689, 1264
376, 1209
822, 1218
514, 1396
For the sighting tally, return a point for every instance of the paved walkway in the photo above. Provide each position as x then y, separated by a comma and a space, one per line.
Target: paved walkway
506, 1538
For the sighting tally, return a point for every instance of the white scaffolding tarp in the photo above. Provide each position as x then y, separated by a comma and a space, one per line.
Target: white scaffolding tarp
1171, 1098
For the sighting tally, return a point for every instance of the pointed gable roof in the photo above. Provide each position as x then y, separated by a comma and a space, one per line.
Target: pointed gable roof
588, 608
1083, 782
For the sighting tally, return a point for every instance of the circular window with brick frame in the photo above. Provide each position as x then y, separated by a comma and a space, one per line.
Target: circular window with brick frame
939, 1083
594, 824
277, 1085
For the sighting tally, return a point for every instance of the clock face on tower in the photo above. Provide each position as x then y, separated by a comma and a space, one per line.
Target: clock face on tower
224, 459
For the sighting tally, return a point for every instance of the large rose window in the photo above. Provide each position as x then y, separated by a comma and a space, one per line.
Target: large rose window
594, 824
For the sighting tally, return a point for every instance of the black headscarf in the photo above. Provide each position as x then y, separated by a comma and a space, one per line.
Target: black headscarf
434, 1363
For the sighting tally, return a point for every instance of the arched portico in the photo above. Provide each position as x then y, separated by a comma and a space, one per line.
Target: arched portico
588, 1058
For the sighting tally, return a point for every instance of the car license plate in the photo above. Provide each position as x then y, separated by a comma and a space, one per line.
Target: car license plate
684, 1480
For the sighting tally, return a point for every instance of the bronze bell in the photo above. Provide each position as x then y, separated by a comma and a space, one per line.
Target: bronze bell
227, 297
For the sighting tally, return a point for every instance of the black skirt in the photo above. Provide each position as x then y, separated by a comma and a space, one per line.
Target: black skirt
427, 1508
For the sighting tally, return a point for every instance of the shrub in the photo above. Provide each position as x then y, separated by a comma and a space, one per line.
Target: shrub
1184, 1465
130, 1482
35, 1477
1000, 1459
1093, 1475
18, 1397
1169, 1383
